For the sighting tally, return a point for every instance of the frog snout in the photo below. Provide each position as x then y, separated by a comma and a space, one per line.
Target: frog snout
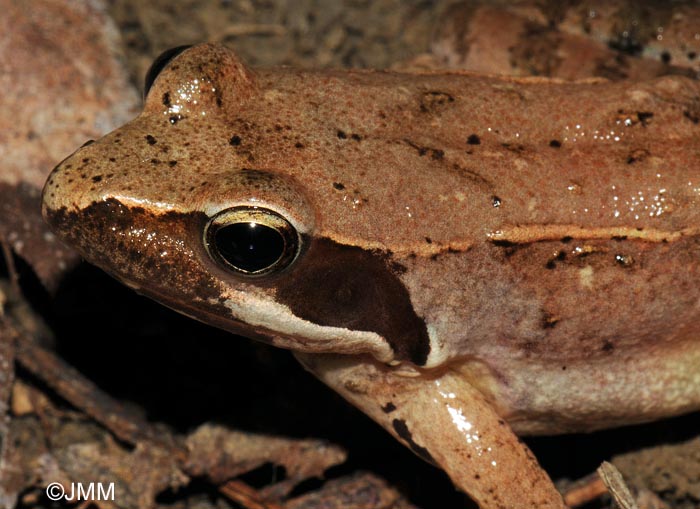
72, 186
65, 187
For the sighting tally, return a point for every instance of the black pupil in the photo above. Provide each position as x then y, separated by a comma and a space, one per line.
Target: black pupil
250, 247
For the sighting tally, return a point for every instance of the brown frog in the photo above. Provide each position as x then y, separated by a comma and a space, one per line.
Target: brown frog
464, 258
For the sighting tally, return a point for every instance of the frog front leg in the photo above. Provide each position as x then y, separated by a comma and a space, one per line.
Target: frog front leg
446, 421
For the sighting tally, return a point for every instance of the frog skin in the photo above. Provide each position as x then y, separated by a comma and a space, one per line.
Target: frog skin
465, 258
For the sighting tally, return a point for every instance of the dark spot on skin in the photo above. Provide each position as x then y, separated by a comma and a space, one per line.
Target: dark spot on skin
97, 178
345, 286
150, 140
691, 55
298, 145
235, 140
645, 117
563, 368
435, 154
549, 321
555, 143
560, 256
495, 201
112, 159
625, 261
504, 243
342, 135
338, 186
509, 248
666, 57
398, 268
608, 346
166, 99
402, 430
428, 240
86, 160
155, 161
692, 116
566, 240
388, 408
473, 139
477, 477
172, 163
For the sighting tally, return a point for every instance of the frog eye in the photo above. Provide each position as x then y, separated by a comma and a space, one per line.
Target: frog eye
159, 64
252, 241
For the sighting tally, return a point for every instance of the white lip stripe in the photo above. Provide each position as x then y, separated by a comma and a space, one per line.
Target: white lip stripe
298, 334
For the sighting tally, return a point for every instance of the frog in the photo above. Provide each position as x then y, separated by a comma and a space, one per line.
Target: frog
465, 258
